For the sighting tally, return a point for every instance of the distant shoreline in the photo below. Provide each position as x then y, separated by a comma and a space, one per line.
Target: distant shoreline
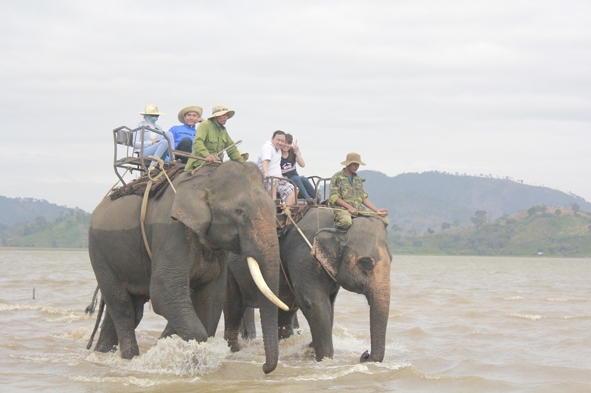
45, 248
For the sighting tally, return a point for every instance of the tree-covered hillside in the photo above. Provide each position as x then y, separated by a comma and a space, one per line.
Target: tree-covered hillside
69, 230
22, 210
419, 201
28, 222
540, 230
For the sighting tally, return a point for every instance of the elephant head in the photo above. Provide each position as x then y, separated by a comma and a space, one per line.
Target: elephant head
359, 260
229, 209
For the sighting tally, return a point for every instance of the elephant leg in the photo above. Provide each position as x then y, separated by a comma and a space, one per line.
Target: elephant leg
295, 323
332, 298
234, 310
248, 329
319, 316
168, 331
138, 305
121, 309
107, 341
208, 302
285, 322
171, 298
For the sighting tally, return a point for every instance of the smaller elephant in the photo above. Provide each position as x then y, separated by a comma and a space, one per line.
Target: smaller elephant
358, 260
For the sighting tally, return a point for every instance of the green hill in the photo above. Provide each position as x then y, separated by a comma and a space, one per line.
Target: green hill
538, 231
22, 210
419, 201
67, 231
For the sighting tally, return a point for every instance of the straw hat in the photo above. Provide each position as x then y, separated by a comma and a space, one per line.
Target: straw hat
151, 109
220, 110
353, 158
188, 109
244, 155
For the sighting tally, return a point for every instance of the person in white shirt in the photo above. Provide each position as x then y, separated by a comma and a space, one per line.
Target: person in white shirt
269, 164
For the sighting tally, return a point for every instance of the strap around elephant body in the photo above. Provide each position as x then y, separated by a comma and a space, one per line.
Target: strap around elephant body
143, 217
287, 212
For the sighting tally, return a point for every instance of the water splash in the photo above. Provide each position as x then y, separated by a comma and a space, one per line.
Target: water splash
174, 356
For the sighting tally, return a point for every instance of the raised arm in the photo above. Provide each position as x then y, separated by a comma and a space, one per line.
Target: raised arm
298, 154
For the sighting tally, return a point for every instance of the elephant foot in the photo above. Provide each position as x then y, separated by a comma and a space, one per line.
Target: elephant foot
232, 338
100, 347
365, 357
234, 346
285, 332
130, 353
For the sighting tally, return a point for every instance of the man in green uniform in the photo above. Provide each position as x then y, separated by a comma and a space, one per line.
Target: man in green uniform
346, 193
212, 137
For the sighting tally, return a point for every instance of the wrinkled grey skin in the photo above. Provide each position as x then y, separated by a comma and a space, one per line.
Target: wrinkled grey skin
189, 234
360, 261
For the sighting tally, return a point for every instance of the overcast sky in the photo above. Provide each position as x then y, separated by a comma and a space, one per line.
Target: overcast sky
475, 87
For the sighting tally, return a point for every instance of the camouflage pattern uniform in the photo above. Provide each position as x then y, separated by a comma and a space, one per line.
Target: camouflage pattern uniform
353, 194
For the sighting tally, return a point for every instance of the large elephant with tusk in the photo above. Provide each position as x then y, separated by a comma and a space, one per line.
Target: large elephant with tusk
189, 229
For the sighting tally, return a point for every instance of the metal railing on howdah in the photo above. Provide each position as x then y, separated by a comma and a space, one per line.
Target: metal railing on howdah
129, 158
321, 185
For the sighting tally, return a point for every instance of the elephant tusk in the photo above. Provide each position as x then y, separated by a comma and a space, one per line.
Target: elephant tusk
257, 276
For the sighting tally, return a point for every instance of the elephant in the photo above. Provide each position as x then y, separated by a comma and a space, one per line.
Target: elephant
189, 229
357, 259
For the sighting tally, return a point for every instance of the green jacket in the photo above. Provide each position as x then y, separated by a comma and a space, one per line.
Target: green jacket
352, 193
211, 138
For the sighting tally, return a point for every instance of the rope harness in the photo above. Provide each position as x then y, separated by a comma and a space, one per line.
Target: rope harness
146, 197
287, 212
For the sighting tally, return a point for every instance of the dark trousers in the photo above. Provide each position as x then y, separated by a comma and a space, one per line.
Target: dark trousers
186, 144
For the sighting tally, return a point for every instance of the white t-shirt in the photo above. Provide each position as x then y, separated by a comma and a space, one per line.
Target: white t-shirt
268, 152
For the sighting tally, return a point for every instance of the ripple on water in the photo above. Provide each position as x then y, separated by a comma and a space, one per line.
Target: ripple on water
565, 299
527, 316
512, 298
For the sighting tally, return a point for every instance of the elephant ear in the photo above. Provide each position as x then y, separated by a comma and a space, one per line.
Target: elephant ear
328, 247
191, 205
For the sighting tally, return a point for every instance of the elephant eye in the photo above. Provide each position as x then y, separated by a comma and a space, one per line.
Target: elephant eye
240, 212
365, 264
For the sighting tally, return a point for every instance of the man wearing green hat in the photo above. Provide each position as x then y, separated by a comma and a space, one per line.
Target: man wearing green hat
348, 196
212, 137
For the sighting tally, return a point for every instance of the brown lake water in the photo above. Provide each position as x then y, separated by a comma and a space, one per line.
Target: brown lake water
457, 324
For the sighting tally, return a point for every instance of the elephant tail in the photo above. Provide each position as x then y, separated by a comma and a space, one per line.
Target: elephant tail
98, 320
92, 306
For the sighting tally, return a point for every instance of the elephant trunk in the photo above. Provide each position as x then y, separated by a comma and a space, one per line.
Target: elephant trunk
266, 252
269, 314
379, 303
